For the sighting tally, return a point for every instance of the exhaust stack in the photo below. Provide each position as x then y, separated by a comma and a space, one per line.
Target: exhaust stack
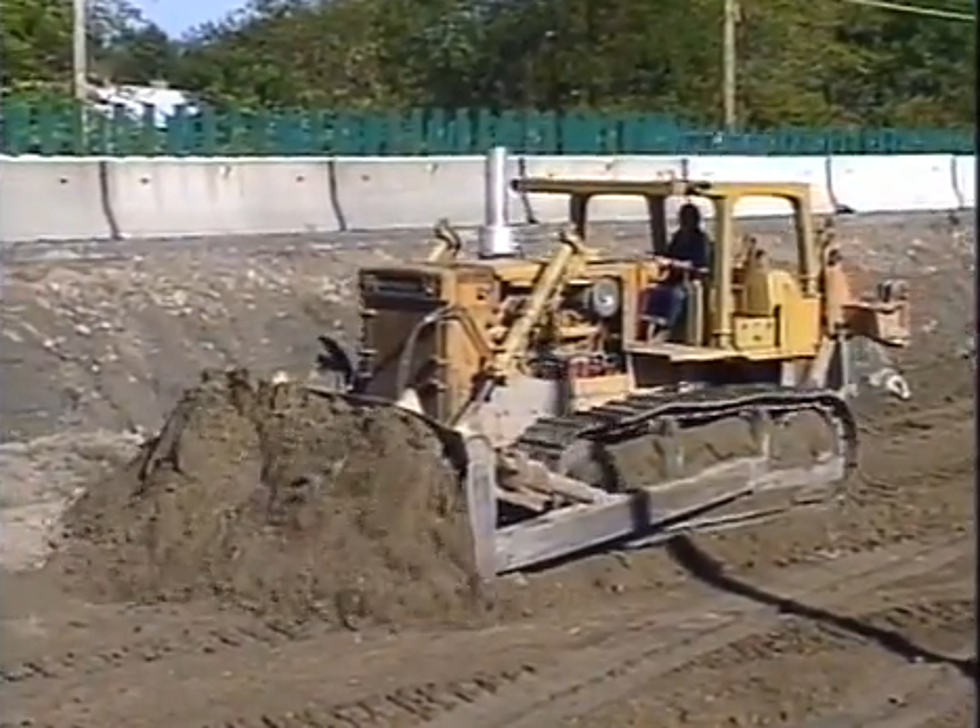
497, 236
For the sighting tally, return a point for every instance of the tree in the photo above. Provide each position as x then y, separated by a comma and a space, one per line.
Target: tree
908, 69
806, 63
139, 55
36, 39
288, 54
37, 45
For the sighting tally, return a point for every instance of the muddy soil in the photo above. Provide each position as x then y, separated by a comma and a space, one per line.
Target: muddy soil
862, 612
41, 477
283, 502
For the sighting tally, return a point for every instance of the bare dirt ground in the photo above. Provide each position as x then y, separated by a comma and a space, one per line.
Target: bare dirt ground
862, 615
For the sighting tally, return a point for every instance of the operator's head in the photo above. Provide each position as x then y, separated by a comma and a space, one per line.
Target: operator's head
690, 216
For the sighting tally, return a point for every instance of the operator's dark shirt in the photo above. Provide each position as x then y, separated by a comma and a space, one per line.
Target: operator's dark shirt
691, 246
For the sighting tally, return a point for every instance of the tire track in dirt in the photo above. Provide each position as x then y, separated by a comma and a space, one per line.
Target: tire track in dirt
911, 620
809, 638
598, 675
962, 714
802, 668
679, 635
917, 417
210, 640
404, 706
451, 701
908, 697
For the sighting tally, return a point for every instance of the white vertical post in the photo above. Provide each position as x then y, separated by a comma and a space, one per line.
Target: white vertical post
79, 51
79, 57
730, 59
497, 237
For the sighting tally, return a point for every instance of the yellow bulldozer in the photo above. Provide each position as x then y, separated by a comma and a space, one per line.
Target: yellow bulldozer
533, 369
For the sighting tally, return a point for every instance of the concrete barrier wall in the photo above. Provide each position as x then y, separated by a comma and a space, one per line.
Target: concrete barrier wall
102, 198
883, 184
409, 191
219, 196
57, 199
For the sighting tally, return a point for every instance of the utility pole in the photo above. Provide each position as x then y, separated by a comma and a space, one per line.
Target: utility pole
79, 51
731, 19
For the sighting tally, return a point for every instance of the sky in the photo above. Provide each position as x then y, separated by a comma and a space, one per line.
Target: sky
177, 16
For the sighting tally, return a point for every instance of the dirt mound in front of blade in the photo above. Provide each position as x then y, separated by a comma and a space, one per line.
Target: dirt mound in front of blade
283, 502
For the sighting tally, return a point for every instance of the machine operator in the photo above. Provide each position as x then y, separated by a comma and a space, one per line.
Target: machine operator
689, 250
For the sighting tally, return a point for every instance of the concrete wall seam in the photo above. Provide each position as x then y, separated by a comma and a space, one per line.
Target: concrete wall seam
964, 180
957, 192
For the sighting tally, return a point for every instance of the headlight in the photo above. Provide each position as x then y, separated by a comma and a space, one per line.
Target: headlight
604, 297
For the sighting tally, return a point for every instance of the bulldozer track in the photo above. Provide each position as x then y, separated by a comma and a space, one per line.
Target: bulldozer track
595, 676
193, 639
615, 422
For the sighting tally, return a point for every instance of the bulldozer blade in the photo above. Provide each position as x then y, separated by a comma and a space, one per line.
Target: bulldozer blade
709, 524
668, 508
645, 515
872, 365
481, 503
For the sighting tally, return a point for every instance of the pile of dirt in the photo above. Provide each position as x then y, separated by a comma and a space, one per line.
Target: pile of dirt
283, 502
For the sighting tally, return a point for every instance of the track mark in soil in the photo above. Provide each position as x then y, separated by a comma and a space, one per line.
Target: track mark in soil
190, 640
918, 418
908, 697
403, 706
598, 675
961, 715
808, 638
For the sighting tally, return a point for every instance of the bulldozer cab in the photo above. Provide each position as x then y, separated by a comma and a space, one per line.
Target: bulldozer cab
735, 303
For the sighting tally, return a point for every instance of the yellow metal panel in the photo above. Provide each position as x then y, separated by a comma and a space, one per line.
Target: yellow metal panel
800, 327
754, 332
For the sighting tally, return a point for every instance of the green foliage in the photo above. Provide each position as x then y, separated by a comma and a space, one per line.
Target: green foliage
36, 39
35, 36
140, 55
801, 63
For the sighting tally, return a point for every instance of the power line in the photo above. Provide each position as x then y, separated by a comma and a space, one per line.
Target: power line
915, 9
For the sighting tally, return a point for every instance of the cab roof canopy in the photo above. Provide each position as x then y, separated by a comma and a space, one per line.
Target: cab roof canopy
791, 191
